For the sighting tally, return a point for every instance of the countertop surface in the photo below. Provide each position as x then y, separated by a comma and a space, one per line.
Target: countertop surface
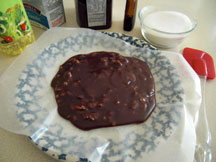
18, 148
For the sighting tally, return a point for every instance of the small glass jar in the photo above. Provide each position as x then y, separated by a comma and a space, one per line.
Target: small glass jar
94, 14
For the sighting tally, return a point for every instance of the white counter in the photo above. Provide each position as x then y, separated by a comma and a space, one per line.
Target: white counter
17, 148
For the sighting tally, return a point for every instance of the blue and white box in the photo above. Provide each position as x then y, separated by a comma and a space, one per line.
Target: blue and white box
45, 13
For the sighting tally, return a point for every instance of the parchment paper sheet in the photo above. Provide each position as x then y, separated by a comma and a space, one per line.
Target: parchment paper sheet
179, 146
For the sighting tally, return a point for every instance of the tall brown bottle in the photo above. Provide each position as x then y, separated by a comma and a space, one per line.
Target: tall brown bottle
130, 14
94, 14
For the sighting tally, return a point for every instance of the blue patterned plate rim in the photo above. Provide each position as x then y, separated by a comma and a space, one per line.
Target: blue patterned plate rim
168, 124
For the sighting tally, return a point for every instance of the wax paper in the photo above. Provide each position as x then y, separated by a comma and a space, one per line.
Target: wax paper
28, 104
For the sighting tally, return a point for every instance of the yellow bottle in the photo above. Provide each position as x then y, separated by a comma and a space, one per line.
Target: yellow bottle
15, 30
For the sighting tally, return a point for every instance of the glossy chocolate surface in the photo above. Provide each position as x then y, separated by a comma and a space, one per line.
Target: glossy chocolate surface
104, 89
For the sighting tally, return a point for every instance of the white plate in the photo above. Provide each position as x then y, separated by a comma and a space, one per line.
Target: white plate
36, 106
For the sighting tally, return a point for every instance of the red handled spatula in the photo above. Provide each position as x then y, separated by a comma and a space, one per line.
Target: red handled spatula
203, 65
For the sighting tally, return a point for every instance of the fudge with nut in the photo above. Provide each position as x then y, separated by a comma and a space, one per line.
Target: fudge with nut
104, 89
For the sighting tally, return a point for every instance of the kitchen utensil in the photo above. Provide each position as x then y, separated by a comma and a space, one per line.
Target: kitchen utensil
191, 54
203, 65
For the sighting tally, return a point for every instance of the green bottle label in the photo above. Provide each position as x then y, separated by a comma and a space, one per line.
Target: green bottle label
14, 22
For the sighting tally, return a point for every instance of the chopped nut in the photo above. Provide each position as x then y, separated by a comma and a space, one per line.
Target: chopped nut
135, 105
100, 105
142, 99
84, 101
80, 96
68, 116
129, 82
77, 61
135, 93
75, 84
93, 116
57, 96
104, 100
104, 118
74, 117
58, 89
69, 74
81, 107
85, 116
61, 67
111, 68
105, 61
69, 93
119, 62
126, 60
113, 123
65, 83
92, 105
72, 107
117, 102
62, 94
94, 53
109, 90
144, 106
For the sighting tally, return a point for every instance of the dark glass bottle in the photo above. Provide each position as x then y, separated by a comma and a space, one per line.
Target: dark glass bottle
94, 14
130, 14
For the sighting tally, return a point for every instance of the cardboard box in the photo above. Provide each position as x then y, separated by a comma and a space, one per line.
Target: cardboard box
45, 13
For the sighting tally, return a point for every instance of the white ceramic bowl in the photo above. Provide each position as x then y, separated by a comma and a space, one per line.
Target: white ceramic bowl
165, 27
